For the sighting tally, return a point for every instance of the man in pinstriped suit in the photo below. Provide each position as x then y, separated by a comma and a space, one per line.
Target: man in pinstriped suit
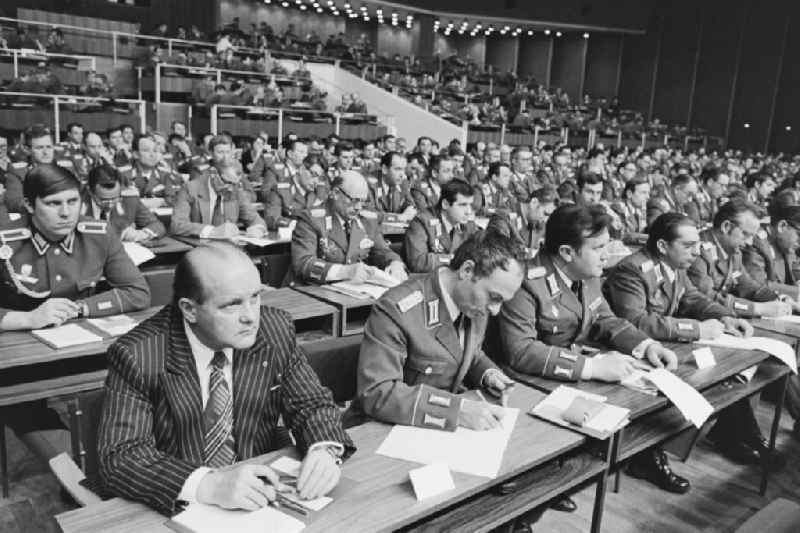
201, 385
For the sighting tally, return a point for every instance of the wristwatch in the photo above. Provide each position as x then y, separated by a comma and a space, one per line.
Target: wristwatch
336, 453
83, 309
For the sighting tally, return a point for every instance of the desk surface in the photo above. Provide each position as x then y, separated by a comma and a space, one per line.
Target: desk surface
298, 305
167, 245
333, 297
382, 499
777, 326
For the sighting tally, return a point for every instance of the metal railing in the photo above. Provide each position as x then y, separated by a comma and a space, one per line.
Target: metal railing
61, 100
36, 55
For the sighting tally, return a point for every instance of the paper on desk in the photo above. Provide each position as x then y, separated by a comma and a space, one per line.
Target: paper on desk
259, 241
553, 406
689, 402
794, 319
114, 325
363, 291
291, 467
138, 253
66, 335
779, 349
202, 518
479, 453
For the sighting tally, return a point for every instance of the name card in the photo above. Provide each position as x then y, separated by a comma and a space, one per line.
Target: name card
431, 480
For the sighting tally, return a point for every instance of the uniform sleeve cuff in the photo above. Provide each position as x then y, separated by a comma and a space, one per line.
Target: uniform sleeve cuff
205, 233
334, 273
188, 492
641, 348
588, 367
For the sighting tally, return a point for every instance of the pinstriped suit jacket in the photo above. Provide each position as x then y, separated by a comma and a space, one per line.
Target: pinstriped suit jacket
151, 433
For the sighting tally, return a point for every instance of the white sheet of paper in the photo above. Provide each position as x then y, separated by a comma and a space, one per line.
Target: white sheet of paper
479, 453
704, 357
431, 480
381, 278
359, 290
67, 335
138, 253
691, 403
779, 349
794, 319
114, 325
260, 241
202, 518
553, 407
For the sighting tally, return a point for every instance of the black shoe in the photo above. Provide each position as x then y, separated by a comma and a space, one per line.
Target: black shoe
653, 466
738, 452
565, 504
776, 460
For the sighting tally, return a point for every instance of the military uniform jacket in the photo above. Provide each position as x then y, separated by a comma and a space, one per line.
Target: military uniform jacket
428, 245
722, 277
491, 199
320, 241
634, 220
129, 211
524, 184
278, 172
286, 200
412, 367
34, 269
514, 225
639, 289
769, 266
12, 198
159, 182
389, 202
425, 195
193, 210
544, 328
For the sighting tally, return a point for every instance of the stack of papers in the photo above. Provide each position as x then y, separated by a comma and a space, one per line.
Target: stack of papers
601, 424
200, 518
479, 453
258, 241
138, 253
114, 325
66, 335
774, 347
374, 287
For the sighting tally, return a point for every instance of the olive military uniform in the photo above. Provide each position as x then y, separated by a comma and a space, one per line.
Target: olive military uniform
129, 211
430, 243
769, 266
287, 199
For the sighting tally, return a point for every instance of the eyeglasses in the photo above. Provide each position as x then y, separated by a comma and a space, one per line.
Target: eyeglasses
354, 201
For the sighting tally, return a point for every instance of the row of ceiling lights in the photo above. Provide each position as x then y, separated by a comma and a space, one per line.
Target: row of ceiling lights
347, 10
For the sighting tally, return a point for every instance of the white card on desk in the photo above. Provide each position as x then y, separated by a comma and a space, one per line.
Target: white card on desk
431, 480
704, 357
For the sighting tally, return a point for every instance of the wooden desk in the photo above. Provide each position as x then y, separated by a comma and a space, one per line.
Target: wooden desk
167, 250
383, 500
353, 312
314, 320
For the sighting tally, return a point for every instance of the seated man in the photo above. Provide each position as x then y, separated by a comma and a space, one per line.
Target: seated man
281, 172
426, 190
653, 291
556, 324
287, 199
41, 150
390, 193
10, 183
422, 341
105, 199
632, 211
526, 223
224, 158
431, 240
495, 193
337, 241
53, 262
772, 260
718, 272
213, 205
201, 385
147, 175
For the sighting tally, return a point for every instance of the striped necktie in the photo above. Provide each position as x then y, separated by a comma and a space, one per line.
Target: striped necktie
218, 417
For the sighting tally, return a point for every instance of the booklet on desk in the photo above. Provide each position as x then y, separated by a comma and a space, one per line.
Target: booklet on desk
65, 336
581, 411
200, 518
373, 287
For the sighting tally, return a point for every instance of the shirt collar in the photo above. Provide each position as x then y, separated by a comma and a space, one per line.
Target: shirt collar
668, 271
203, 355
446, 224
566, 279
452, 308
41, 244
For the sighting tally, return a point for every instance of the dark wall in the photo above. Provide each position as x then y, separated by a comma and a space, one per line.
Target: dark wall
569, 56
535, 54
501, 53
602, 65
639, 54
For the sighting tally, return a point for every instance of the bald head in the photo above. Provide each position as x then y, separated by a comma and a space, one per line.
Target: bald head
354, 184
202, 271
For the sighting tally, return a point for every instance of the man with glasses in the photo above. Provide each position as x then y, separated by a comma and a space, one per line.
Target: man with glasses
341, 240
718, 272
105, 199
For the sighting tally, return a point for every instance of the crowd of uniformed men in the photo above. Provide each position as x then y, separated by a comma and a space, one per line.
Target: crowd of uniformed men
713, 237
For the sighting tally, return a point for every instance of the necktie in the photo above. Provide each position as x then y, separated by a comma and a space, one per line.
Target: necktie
576, 289
218, 417
217, 217
104, 212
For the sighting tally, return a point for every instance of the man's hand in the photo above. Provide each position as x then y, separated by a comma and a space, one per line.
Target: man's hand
497, 383
131, 234
612, 366
240, 487
397, 270
409, 214
256, 232
357, 272
54, 311
773, 308
660, 356
227, 230
319, 474
479, 416
711, 328
737, 326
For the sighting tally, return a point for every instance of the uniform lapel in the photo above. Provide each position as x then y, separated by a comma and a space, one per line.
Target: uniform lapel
445, 330
357, 234
203, 197
251, 375
338, 235
182, 392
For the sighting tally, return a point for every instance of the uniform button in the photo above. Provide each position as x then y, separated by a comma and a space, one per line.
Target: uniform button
56, 252
58, 277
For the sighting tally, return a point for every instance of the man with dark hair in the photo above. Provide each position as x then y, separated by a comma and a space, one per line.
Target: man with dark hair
74, 143
760, 187
105, 199
41, 151
715, 187
652, 290
146, 176
523, 180
678, 198
632, 210
424, 148
718, 271
341, 240
526, 223
426, 191
496, 193
431, 239
345, 155
772, 260
202, 384
590, 188
52, 264
283, 172
120, 150
555, 324
422, 341
390, 194
287, 200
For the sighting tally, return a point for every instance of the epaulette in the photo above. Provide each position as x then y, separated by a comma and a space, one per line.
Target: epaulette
19, 165
94, 227
202, 167
536, 272
66, 163
17, 234
408, 302
124, 168
366, 213
318, 213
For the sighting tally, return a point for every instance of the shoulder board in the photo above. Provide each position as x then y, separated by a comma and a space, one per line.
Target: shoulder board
406, 303
434, 222
284, 185
95, 227
647, 266
66, 163
59, 148
19, 165
707, 246
536, 272
372, 215
424, 185
318, 213
125, 168
373, 180
11, 235
78, 156
129, 191
202, 167
278, 166
762, 234
166, 156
